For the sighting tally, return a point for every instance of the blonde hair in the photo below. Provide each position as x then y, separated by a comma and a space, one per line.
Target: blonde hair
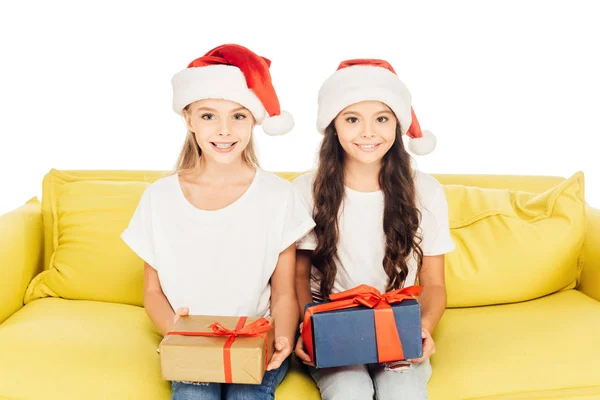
190, 155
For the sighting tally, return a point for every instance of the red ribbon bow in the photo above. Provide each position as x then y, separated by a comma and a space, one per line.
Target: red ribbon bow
389, 347
258, 328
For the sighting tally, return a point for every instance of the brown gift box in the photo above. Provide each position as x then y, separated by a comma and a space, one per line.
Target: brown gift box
204, 359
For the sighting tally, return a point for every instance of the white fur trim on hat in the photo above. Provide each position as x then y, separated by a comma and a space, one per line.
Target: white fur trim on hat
423, 145
214, 82
358, 83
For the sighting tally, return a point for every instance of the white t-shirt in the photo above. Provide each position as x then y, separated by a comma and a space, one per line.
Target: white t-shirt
218, 262
361, 243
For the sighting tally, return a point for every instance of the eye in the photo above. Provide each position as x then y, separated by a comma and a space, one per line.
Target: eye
352, 120
382, 119
208, 116
239, 116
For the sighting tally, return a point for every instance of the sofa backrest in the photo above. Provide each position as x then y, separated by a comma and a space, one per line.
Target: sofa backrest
517, 237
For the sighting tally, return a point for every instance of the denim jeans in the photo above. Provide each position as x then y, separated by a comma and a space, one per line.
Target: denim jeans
232, 391
360, 382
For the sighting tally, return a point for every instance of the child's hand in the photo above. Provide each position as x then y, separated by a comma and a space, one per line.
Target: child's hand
181, 312
428, 347
301, 351
283, 348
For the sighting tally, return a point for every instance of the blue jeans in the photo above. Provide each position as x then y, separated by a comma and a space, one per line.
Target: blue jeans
360, 382
232, 391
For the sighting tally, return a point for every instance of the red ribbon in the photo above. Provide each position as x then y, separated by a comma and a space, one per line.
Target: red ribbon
389, 347
258, 328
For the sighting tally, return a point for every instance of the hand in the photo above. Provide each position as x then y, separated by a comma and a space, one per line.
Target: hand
283, 348
301, 351
428, 347
181, 312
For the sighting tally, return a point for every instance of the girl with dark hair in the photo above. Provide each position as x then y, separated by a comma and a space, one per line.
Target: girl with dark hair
378, 221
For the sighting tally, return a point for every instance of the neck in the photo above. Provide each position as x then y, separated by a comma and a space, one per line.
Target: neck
217, 173
362, 177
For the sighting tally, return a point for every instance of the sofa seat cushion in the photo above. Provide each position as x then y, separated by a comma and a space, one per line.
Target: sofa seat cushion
76, 349
548, 348
67, 349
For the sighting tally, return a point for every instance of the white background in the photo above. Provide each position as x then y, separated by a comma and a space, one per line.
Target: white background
508, 87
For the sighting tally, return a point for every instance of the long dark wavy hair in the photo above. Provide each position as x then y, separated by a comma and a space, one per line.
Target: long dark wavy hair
401, 216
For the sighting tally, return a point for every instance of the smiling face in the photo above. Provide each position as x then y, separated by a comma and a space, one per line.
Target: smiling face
222, 129
366, 131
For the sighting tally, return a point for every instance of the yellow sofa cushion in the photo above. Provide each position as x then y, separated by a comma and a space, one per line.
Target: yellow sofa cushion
513, 246
54, 179
66, 349
83, 219
546, 348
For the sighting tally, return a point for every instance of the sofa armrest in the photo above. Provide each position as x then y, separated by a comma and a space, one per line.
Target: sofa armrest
589, 282
21, 251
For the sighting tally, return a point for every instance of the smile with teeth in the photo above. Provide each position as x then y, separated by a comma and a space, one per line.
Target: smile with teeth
367, 146
223, 146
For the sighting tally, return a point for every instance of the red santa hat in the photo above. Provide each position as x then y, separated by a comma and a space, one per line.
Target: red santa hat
232, 72
370, 79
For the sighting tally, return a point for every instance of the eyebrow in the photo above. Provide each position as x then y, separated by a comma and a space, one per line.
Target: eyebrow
357, 113
206, 109
214, 111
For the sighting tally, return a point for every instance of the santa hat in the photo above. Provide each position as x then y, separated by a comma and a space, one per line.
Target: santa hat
370, 79
232, 72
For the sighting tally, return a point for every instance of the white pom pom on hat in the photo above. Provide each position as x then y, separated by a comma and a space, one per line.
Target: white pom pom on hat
421, 142
372, 79
423, 145
278, 124
233, 72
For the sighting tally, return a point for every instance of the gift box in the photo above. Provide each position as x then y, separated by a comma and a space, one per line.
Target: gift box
363, 326
217, 349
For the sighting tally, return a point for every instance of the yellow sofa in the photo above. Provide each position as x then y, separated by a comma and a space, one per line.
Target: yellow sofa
523, 317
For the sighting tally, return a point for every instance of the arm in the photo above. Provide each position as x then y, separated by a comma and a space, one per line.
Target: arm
21, 253
432, 299
589, 282
156, 304
303, 266
303, 280
284, 305
433, 295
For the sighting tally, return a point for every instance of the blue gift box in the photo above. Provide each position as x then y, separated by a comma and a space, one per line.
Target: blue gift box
347, 337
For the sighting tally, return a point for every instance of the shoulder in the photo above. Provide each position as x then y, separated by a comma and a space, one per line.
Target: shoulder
276, 188
161, 188
429, 189
273, 182
166, 184
304, 183
277, 193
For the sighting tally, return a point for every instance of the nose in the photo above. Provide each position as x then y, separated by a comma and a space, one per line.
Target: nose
224, 127
368, 131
